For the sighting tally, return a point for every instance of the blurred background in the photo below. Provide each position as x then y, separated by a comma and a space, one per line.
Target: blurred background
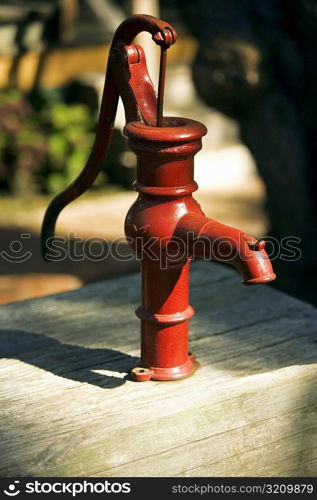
245, 69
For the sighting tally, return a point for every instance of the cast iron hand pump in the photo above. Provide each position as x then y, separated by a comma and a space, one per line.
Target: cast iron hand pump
165, 226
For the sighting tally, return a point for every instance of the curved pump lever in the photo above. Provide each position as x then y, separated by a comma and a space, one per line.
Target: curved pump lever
127, 77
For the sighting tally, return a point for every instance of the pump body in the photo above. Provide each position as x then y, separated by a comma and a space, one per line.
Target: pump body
165, 226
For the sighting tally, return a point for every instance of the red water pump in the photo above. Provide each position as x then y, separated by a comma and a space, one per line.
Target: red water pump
165, 226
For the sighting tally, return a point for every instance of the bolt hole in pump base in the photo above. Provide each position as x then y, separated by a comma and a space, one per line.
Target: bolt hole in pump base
165, 226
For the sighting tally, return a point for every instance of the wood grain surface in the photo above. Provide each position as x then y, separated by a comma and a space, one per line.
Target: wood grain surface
69, 407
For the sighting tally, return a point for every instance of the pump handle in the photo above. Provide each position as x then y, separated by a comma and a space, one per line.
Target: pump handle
138, 97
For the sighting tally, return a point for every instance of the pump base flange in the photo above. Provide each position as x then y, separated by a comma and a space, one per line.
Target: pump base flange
142, 374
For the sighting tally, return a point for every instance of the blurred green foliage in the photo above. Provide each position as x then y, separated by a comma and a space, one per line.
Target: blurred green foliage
44, 147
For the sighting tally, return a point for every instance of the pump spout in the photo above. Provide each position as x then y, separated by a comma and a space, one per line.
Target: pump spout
211, 240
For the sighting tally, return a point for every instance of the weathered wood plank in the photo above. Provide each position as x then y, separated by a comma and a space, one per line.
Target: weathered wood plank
69, 408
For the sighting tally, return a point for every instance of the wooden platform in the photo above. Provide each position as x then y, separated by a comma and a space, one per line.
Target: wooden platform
69, 408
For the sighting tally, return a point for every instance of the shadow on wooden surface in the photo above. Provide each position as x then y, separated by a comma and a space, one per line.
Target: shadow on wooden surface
66, 360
